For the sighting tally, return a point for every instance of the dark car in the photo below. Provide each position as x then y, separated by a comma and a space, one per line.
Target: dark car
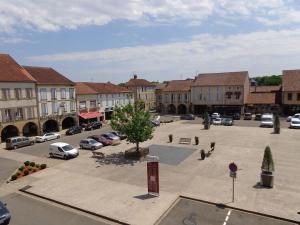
227, 121
236, 116
187, 117
93, 126
4, 214
258, 117
121, 136
74, 130
101, 139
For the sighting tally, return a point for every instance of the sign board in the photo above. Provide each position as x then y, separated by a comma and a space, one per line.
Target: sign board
153, 178
233, 167
232, 174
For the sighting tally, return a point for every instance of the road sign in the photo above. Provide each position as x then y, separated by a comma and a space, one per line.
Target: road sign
233, 167
232, 174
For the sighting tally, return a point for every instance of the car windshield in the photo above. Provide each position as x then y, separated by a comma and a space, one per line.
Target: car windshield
266, 119
67, 148
93, 141
296, 122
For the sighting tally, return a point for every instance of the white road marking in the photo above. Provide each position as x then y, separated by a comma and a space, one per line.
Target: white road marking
227, 217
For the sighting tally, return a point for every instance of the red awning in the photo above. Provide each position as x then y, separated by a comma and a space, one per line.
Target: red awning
90, 115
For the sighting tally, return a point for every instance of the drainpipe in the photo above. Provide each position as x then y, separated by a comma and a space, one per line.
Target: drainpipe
38, 109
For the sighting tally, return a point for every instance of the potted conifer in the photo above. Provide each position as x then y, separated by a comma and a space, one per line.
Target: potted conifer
206, 121
267, 169
276, 125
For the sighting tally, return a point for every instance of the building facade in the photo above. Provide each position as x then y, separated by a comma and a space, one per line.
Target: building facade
56, 99
110, 96
18, 103
291, 91
176, 97
225, 93
142, 90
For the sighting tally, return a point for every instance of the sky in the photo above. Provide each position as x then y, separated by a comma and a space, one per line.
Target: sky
110, 40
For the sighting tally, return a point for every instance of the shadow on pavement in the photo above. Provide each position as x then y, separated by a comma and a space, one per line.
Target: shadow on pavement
117, 159
145, 196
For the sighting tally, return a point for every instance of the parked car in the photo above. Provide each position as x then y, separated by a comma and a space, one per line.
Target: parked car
18, 142
74, 130
215, 115
295, 123
93, 126
101, 140
217, 121
4, 214
155, 123
236, 116
90, 144
114, 138
62, 150
267, 120
47, 137
297, 115
121, 136
187, 117
247, 116
258, 117
227, 121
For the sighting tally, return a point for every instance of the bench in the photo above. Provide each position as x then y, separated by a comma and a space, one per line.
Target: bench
185, 141
98, 155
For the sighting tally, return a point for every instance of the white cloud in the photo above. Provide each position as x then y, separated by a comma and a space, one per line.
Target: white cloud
259, 52
50, 15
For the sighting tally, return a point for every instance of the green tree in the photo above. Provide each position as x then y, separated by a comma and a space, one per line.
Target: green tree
273, 80
268, 163
206, 121
133, 121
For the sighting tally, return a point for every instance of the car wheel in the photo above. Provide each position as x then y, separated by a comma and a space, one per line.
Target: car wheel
65, 157
44, 140
58, 137
93, 148
81, 146
15, 147
31, 143
50, 155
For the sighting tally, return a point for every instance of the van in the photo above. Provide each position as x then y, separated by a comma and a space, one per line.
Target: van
267, 120
62, 150
17, 142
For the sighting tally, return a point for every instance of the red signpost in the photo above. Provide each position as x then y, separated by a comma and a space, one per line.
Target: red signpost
153, 178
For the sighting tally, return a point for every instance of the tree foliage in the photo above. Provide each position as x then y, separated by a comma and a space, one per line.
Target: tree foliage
268, 163
133, 121
269, 80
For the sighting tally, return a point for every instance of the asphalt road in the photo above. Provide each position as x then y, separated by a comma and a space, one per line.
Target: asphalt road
190, 212
42, 149
28, 211
7, 167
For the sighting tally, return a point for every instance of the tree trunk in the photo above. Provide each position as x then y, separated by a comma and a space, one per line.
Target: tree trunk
137, 146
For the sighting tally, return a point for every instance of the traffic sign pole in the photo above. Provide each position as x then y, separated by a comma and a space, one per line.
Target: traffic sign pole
233, 169
232, 189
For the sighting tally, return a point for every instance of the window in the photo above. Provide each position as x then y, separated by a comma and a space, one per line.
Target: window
228, 94
44, 109
6, 93
29, 93
53, 93
298, 96
237, 94
146, 96
290, 96
185, 97
43, 93
19, 114
72, 93
63, 93
54, 107
93, 104
72, 106
82, 105
18, 93
30, 113
63, 107
200, 96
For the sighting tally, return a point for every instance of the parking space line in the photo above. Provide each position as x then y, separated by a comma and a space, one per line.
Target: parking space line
227, 217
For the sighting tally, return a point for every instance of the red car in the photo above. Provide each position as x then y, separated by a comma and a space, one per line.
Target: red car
101, 139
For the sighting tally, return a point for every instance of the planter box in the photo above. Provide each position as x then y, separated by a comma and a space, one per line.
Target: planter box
267, 179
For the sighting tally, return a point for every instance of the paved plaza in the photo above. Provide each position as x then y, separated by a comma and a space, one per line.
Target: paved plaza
116, 188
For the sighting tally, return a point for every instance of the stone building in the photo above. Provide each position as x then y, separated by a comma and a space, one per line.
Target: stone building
291, 91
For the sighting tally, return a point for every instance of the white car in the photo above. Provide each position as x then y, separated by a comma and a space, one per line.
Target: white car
267, 120
47, 137
295, 123
62, 150
289, 119
217, 121
215, 115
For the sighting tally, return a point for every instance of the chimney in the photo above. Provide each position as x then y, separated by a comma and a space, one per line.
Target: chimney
134, 76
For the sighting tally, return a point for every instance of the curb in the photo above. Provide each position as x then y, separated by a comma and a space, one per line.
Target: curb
242, 210
25, 188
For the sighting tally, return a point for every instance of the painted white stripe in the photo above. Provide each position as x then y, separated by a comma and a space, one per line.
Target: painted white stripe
227, 217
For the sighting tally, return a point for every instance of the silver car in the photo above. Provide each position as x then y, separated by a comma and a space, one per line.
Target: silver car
90, 144
114, 138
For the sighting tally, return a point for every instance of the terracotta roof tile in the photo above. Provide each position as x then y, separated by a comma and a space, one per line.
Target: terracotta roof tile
261, 98
219, 79
178, 85
47, 75
134, 82
84, 89
11, 71
265, 89
107, 88
291, 80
